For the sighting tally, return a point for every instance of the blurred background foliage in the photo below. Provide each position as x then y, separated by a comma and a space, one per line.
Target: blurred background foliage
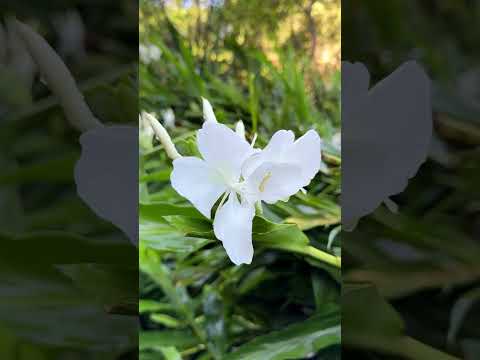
66, 277
259, 62
419, 270
213, 27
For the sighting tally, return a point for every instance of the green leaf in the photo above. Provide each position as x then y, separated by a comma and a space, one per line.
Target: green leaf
378, 326
270, 234
460, 310
146, 306
109, 285
190, 225
166, 238
166, 320
325, 291
253, 279
41, 297
290, 238
170, 353
379, 320
66, 248
156, 211
215, 314
161, 175
294, 342
158, 339
55, 170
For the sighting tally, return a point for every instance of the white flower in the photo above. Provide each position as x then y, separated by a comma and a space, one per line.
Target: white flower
155, 52
162, 135
149, 53
241, 176
107, 170
168, 117
300, 161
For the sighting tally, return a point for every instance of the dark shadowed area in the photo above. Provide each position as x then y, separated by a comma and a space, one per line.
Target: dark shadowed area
68, 278
412, 278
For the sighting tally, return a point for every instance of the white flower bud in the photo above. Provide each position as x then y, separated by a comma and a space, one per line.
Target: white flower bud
240, 129
208, 114
18, 58
168, 118
58, 77
162, 135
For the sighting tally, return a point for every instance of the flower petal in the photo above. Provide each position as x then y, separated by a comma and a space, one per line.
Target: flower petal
306, 153
208, 114
272, 182
240, 129
106, 174
199, 183
233, 226
280, 142
223, 149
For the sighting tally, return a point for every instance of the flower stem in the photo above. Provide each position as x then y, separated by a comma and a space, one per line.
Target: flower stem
323, 256
311, 251
259, 208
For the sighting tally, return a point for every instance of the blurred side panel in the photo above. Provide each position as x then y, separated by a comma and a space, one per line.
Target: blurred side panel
411, 269
68, 124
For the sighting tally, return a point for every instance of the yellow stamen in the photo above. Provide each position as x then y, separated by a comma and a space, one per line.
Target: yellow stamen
261, 187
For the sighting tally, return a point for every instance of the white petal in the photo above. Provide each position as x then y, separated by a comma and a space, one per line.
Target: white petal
195, 180
280, 142
252, 163
272, 182
208, 114
168, 118
107, 172
223, 149
240, 129
233, 226
306, 153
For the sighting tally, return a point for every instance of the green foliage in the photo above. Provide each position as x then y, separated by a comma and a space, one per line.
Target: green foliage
424, 260
67, 278
194, 303
295, 341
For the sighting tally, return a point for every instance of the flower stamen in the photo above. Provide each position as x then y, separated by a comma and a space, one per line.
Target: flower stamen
253, 140
263, 183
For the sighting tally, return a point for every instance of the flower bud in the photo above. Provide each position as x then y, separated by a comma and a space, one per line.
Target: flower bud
162, 135
240, 129
58, 77
208, 114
